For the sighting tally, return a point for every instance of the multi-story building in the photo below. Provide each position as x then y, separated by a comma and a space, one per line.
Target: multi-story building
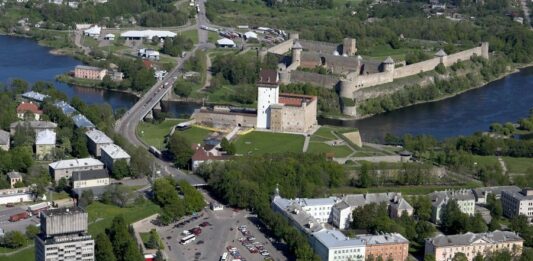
36, 126
65, 168
111, 153
64, 236
90, 178
481, 194
95, 140
89, 72
14, 177
518, 203
5, 140
391, 246
444, 247
45, 142
29, 110
333, 245
464, 198
82, 122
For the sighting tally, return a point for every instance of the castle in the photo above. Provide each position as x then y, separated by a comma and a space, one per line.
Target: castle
350, 72
278, 112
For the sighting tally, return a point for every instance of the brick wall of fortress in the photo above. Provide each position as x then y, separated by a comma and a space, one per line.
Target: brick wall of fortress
355, 82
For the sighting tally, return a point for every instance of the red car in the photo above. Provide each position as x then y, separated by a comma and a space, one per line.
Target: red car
196, 231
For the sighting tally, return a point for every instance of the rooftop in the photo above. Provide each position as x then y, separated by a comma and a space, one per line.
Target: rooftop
73, 163
294, 211
524, 194
225, 41
93, 30
45, 137
202, 155
440, 197
14, 175
388, 238
89, 174
497, 190
4, 137
90, 68
147, 34
470, 238
267, 76
65, 107
34, 96
63, 211
29, 107
336, 239
98, 137
82, 122
296, 100
115, 152
34, 124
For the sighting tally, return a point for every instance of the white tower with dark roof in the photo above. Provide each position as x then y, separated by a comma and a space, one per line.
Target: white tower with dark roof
267, 94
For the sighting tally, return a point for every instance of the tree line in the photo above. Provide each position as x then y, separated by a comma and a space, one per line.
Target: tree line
176, 199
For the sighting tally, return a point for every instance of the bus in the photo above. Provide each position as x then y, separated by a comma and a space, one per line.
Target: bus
188, 239
224, 256
155, 151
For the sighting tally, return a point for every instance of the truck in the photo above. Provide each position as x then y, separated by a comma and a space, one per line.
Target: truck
19, 216
37, 208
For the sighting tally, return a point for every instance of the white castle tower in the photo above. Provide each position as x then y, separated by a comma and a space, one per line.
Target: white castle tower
267, 94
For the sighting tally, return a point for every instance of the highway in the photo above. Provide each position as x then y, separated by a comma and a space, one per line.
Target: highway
127, 125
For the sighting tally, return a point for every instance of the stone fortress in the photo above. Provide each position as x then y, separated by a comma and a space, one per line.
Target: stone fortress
350, 72
277, 112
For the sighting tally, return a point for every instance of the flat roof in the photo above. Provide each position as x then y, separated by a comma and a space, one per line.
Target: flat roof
98, 136
82, 122
63, 211
336, 239
115, 152
91, 68
74, 163
147, 34
45, 137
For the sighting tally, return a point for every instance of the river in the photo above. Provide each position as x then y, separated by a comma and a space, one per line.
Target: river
508, 99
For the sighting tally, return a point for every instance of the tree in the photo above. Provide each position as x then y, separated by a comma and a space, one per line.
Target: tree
140, 163
228, 147
153, 240
180, 149
365, 179
422, 207
159, 256
79, 144
183, 88
441, 69
120, 169
495, 206
61, 185
459, 257
86, 198
103, 249
14, 239
31, 231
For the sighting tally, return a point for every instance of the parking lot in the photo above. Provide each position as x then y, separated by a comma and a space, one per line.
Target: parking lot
21, 225
219, 230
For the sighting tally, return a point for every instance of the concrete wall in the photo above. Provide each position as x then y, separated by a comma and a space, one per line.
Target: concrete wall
415, 68
326, 81
73, 222
363, 81
225, 120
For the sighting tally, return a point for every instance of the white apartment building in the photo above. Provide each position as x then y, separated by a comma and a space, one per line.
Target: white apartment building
465, 200
111, 153
95, 140
518, 203
65, 168
90, 178
333, 245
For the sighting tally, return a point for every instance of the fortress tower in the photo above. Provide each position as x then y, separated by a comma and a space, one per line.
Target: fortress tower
267, 95
388, 65
296, 54
442, 55
348, 47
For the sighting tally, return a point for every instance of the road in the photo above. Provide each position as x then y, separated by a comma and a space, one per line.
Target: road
127, 125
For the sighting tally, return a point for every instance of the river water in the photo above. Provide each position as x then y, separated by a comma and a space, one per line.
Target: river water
508, 99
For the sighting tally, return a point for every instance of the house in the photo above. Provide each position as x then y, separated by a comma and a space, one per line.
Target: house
73, 4
95, 140
29, 110
89, 72
36, 126
116, 76
5, 140
66, 108
93, 32
250, 35
34, 96
444, 248
202, 156
90, 178
13, 178
16, 195
147, 34
109, 37
65, 168
518, 203
111, 153
481, 194
149, 54
45, 142
388, 246
82, 122
226, 43
464, 198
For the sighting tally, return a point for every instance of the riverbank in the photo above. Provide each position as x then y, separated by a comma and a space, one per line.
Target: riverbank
86, 83
516, 68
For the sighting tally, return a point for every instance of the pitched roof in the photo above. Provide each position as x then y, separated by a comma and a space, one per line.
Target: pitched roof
98, 137
45, 137
441, 53
34, 124
89, 68
89, 174
202, 155
66, 108
290, 99
382, 239
297, 45
389, 60
29, 107
268, 76
469, 238
14, 175
115, 152
225, 41
74, 163
4, 137
34, 96
82, 122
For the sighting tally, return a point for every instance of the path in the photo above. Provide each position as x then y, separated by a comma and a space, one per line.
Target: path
379, 147
16, 251
306, 143
208, 74
523, 3
502, 164
78, 42
347, 144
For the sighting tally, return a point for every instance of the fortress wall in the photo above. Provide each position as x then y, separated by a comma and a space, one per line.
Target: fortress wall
281, 48
416, 68
368, 80
462, 56
319, 47
327, 81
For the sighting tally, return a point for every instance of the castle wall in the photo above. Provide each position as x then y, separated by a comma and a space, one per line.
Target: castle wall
292, 120
319, 47
326, 81
462, 56
363, 81
282, 48
416, 68
225, 120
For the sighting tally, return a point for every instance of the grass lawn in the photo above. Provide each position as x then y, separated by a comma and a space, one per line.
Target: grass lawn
191, 34
324, 133
154, 134
320, 147
257, 143
101, 215
518, 165
24, 255
195, 134
486, 160
60, 195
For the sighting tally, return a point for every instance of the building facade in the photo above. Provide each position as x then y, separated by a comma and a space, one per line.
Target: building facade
95, 140
36, 126
5, 140
464, 198
16, 195
45, 142
65, 168
518, 203
29, 111
89, 72
90, 178
14, 177
391, 246
267, 95
333, 245
64, 236
111, 153
444, 247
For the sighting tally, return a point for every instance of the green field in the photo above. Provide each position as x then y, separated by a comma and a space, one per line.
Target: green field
518, 165
195, 135
191, 34
154, 134
24, 255
320, 147
257, 143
